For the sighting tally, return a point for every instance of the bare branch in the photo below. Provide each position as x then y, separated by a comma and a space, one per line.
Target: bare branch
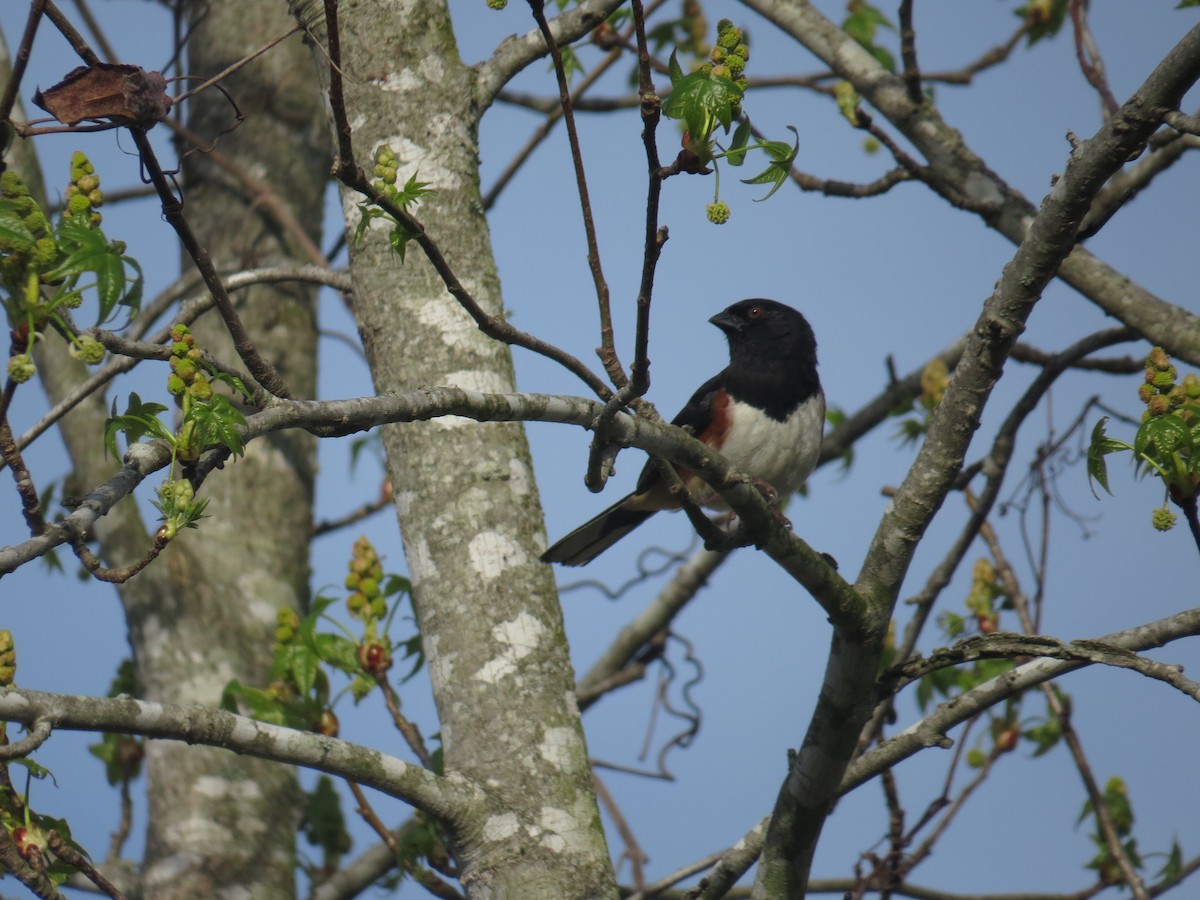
439, 796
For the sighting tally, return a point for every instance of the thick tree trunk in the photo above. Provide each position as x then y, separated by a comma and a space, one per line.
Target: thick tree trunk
469, 512
221, 825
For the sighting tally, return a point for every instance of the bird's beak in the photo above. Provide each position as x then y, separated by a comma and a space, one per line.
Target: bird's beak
727, 322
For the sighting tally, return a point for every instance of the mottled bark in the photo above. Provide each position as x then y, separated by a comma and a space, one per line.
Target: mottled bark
222, 825
465, 496
203, 613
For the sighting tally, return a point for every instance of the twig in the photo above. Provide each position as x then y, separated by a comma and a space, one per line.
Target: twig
908, 52
350, 174
39, 733
73, 857
1090, 61
20, 62
229, 70
607, 351
633, 851
408, 730
260, 368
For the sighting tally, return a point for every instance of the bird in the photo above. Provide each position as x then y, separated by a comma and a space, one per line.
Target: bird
765, 412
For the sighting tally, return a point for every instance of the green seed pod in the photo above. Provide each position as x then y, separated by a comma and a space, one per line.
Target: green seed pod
11, 185
1162, 519
44, 255
78, 205
88, 349
201, 389
718, 213
175, 385
21, 368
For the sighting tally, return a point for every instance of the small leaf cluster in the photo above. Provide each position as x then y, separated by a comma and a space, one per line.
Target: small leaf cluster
710, 98
863, 23
122, 754
688, 34
935, 378
1120, 812
1044, 18
8, 658
45, 270
208, 418
325, 828
386, 173
29, 831
1166, 444
299, 693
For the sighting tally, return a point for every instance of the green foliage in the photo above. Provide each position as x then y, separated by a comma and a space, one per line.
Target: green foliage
139, 420
863, 23
325, 825
207, 419
935, 378
1120, 812
306, 654
46, 270
1044, 18
410, 195
702, 101
780, 167
1167, 444
121, 754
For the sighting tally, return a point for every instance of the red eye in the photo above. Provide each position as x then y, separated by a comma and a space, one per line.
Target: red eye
754, 312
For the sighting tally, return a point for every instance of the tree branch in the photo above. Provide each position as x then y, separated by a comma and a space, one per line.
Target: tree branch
958, 174
445, 797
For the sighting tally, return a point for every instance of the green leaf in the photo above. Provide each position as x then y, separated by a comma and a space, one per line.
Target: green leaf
1045, 22
396, 584
337, 651
1184, 4
139, 420
258, 703
12, 229
702, 101
1044, 737
1161, 436
674, 70
1101, 445
777, 172
300, 663
1173, 867
737, 147
217, 422
36, 770
324, 824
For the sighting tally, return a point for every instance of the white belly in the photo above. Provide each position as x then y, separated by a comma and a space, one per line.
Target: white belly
783, 454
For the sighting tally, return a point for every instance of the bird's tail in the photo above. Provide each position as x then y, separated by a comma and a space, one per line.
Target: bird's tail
596, 535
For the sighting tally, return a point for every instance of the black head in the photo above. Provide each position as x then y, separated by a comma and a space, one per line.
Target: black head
768, 331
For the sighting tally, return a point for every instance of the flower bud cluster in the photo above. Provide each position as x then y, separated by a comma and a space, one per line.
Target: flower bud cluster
731, 53
84, 196
367, 603
985, 588
8, 658
187, 375
20, 255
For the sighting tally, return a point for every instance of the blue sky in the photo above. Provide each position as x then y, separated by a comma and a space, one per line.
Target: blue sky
901, 275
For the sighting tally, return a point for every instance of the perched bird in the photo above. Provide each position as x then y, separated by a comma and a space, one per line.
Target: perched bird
765, 413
